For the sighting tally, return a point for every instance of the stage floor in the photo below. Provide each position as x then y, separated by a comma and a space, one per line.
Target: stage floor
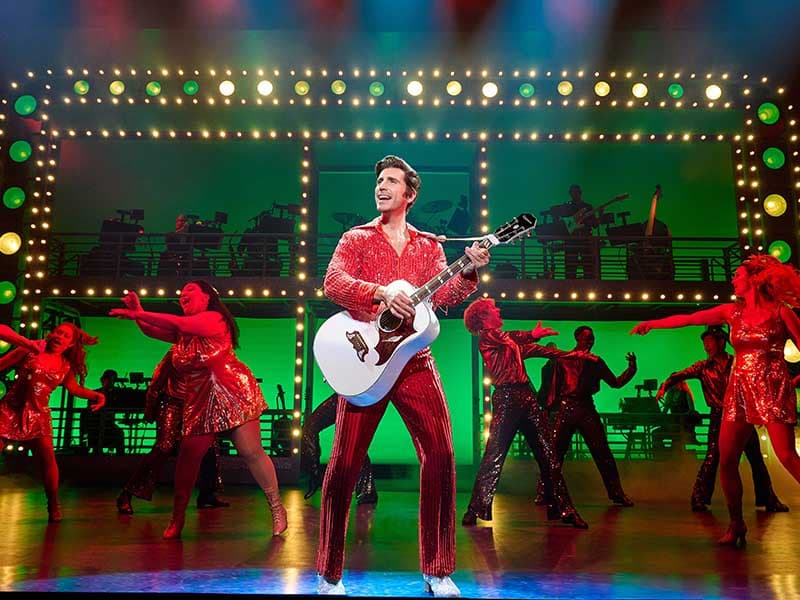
657, 549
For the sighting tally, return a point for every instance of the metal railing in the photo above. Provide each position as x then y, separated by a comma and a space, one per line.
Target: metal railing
256, 255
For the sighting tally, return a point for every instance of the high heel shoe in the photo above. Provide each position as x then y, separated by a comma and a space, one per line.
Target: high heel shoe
571, 517
735, 535
174, 529
469, 519
279, 520
441, 587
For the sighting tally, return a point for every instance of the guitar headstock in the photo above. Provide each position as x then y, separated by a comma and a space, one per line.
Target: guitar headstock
515, 228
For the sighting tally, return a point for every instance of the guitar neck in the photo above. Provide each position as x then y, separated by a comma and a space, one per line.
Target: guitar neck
424, 292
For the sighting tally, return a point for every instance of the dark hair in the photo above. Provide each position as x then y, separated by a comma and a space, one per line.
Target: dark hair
715, 330
476, 313
412, 179
109, 373
215, 304
580, 330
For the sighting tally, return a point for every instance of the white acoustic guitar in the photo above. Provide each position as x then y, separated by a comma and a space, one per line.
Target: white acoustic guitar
361, 360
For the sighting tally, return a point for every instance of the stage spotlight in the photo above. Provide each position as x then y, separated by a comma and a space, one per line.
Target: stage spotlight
453, 88
780, 250
338, 87
153, 88
10, 243
301, 88
713, 92
526, 90
20, 151
25, 105
775, 205
227, 87
602, 89
2, 389
376, 88
790, 352
14, 197
81, 87
773, 157
8, 292
116, 87
191, 87
565, 88
675, 90
639, 90
768, 113
414, 88
489, 89
265, 87
4, 346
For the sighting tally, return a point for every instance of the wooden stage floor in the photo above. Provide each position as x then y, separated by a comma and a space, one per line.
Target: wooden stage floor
657, 549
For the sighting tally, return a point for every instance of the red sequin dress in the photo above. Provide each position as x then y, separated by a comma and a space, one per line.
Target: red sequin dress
219, 391
760, 389
25, 409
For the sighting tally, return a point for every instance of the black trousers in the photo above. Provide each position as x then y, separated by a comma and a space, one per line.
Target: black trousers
580, 416
514, 408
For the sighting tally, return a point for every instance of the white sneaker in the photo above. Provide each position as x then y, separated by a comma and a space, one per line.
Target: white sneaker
441, 587
331, 589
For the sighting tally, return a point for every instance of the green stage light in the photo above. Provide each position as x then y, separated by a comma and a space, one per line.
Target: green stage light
790, 352
301, 88
775, 205
565, 88
14, 197
116, 87
8, 291
602, 89
376, 88
20, 151
190, 88
2, 389
780, 250
25, 105
526, 90
768, 113
153, 88
453, 87
675, 90
10, 243
4, 346
81, 87
773, 157
338, 87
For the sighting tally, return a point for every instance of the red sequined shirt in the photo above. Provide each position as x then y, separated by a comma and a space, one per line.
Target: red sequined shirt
365, 259
504, 352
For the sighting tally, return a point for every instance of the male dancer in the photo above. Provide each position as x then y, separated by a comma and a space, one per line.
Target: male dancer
514, 408
366, 260
574, 384
713, 374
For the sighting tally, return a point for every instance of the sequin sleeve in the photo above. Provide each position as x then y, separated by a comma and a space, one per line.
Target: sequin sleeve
342, 284
529, 348
692, 372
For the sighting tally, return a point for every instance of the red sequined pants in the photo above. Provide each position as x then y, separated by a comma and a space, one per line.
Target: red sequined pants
419, 399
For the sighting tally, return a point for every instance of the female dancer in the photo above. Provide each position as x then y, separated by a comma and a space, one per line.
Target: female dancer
760, 391
219, 392
25, 411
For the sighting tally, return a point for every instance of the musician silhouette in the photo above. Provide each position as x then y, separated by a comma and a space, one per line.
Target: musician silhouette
579, 249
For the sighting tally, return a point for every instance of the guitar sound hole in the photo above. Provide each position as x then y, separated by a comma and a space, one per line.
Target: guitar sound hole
388, 321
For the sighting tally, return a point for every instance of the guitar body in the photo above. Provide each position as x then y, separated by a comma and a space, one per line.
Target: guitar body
361, 360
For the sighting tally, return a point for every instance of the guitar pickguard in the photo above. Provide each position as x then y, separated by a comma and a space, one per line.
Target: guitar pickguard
389, 340
359, 345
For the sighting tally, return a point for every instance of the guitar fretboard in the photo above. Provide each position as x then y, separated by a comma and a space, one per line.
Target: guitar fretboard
430, 288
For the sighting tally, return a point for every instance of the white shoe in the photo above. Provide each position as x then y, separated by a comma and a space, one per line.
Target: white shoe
441, 587
331, 589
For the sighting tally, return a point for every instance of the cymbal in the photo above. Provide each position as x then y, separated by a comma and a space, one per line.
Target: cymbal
346, 218
435, 206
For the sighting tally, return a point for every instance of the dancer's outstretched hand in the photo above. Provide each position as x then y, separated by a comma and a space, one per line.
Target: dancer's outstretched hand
540, 331
642, 328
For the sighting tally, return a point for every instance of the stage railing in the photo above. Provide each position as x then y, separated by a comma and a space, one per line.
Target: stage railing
119, 256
